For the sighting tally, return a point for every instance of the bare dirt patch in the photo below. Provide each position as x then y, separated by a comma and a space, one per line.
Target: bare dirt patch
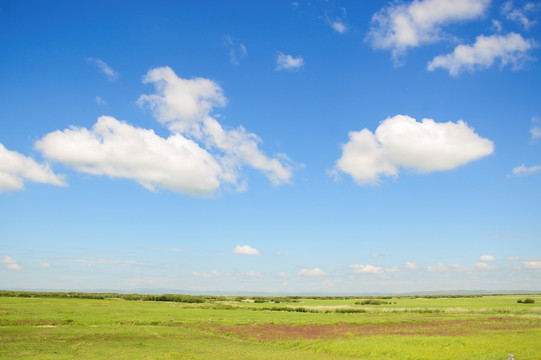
345, 330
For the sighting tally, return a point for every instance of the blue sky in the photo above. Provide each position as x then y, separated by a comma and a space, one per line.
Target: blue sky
280, 146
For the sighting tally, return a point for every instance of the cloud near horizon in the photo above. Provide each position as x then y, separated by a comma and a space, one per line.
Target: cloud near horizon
402, 142
16, 169
245, 250
10, 263
311, 272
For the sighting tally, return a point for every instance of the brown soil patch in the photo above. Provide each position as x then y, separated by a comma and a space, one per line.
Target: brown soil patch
345, 330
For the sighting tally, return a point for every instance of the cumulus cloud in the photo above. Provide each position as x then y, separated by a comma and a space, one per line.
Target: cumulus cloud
111, 73
197, 158
401, 141
526, 170
212, 274
399, 26
312, 272
485, 258
117, 149
10, 263
511, 49
184, 106
288, 62
245, 250
16, 169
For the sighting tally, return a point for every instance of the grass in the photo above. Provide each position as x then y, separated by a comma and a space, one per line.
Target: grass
49, 327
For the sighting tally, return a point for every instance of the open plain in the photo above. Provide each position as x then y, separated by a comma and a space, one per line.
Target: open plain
117, 326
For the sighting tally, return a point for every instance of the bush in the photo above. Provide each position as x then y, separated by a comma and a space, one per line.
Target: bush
526, 301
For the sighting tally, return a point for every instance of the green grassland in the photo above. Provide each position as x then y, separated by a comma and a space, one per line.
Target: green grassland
114, 326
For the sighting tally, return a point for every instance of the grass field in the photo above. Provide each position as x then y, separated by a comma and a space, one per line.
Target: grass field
54, 326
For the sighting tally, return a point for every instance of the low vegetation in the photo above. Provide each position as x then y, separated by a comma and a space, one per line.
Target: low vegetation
78, 325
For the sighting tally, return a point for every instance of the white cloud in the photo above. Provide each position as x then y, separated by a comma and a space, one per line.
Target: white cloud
16, 168
411, 266
520, 14
509, 49
181, 104
44, 264
100, 100
375, 256
197, 158
10, 263
184, 106
288, 62
487, 258
212, 274
439, 267
277, 253
117, 149
111, 74
283, 275
532, 264
339, 26
525, 170
484, 266
245, 250
312, 272
512, 258
372, 269
401, 141
398, 26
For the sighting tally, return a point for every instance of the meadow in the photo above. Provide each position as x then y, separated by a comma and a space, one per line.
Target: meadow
119, 326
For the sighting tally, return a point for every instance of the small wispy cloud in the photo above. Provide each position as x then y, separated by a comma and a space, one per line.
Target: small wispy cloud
484, 266
237, 50
245, 250
526, 170
339, 26
520, 15
312, 272
486, 258
100, 100
211, 274
10, 263
532, 264
44, 264
411, 266
288, 62
111, 73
